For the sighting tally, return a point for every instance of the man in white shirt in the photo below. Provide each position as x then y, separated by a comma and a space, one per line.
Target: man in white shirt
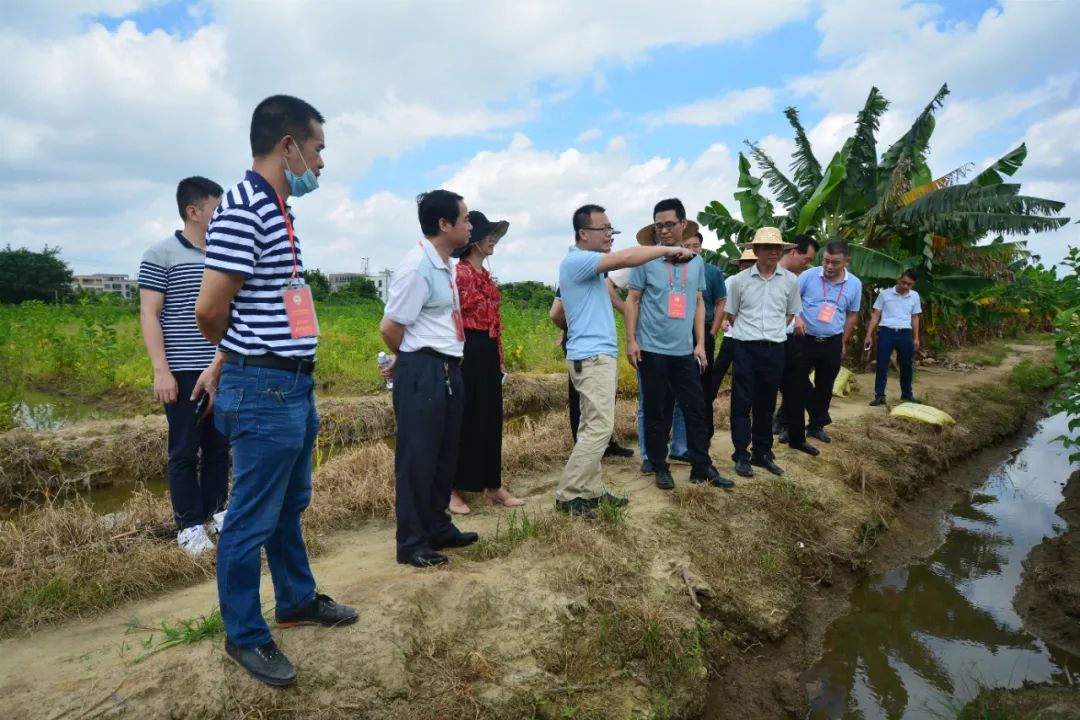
896, 311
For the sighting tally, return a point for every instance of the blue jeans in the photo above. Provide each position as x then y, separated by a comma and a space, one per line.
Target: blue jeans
269, 416
902, 342
678, 427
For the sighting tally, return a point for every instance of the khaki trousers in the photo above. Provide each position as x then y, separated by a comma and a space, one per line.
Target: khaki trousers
595, 384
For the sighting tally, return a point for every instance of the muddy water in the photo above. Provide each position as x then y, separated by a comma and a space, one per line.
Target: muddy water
920, 640
42, 411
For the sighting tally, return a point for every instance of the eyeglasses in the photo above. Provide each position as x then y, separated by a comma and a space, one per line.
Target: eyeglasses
607, 229
666, 226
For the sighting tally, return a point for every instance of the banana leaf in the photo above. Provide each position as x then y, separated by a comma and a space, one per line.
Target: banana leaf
756, 209
960, 283
1007, 165
834, 175
873, 265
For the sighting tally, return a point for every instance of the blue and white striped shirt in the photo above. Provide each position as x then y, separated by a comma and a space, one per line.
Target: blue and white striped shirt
174, 268
247, 236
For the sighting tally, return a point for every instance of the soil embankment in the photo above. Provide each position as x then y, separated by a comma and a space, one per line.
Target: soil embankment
547, 617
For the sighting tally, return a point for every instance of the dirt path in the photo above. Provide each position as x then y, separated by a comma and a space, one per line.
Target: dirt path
90, 668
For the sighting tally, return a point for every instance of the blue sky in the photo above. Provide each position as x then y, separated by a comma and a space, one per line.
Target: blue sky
527, 109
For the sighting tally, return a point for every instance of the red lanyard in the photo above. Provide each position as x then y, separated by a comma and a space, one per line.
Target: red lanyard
288, 227
825, 292
671, 277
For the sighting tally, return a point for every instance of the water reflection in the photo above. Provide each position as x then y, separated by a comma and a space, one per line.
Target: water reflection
41, 411
920, 639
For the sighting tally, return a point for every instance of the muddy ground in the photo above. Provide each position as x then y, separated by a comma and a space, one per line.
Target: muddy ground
633, 617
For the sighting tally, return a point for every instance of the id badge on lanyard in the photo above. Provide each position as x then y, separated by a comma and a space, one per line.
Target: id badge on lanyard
296, 295
676, 306
828, 309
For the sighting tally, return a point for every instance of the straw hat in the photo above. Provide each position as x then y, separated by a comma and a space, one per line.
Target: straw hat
768, 236
747, 256
647, 234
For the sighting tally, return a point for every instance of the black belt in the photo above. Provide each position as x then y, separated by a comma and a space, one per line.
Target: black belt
824, 339
896, 329
274, 362
442, 356
762, 343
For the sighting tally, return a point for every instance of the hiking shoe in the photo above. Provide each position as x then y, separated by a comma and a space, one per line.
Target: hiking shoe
578, 507
879, 400
609, 499
819, 434
194, 541
320, 611
684, 458
215, 523
614, 449
646, 467
264, 663
664, 481
714, 478
768, 464
742, 467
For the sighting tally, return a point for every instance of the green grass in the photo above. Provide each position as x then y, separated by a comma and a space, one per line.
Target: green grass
183, 632
1033, 377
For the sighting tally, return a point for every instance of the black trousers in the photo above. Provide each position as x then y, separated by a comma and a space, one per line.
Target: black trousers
479, 465
429, 398
822, 357
198, 459
790, 361
707, 381
721, 365
759, 370
665, 379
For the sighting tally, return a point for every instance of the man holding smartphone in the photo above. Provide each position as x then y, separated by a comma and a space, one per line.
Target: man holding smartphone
169, 278
665, 341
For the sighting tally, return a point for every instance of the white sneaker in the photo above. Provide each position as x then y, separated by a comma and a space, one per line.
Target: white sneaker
216, 522
194, 541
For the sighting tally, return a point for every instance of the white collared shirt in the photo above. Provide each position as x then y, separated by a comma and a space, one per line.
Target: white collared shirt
761, 305
423, 297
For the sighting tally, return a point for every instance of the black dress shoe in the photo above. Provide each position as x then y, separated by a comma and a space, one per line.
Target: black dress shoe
713, 477
664, 481
320, 611
264, 663
679, 458
783, 437
879, 400
646, 467
768, 464
461, 539
742, 467
422, 558
617, 450
807, 448
909, 398
609, 499
578, 507
819, 434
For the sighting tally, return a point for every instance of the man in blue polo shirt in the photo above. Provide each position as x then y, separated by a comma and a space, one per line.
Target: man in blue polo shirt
665, 313
831, 297
169, 278
896, 310
254, 304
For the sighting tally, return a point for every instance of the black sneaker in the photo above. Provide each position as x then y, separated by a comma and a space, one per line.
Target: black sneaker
616, 450
679, 458
264, 663
742, 467
609, 499
664, 481
879, 400
819, 434
320, 611
646, 467
768, 464
578, 507
909, 398
713, 477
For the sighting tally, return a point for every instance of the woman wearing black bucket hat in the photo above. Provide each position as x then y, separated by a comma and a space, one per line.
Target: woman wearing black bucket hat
480, 454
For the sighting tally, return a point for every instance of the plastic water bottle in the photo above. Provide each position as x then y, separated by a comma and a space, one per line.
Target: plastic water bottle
384, 362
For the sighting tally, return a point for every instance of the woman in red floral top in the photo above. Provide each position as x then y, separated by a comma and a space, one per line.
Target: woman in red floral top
479, 466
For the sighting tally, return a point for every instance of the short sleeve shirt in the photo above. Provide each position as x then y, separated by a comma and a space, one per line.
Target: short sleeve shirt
248, 237
815, 291
657, 279
715, 289
590, 321
761, 305
896, 309
174, 268
423, 297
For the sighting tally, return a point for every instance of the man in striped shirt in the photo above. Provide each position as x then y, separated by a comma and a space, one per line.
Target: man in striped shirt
169, 278
266, 400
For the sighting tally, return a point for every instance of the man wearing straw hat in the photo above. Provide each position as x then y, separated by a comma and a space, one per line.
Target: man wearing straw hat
665, 341
762, 300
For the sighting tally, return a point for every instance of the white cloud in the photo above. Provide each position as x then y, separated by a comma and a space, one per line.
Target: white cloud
728, 109
590, 134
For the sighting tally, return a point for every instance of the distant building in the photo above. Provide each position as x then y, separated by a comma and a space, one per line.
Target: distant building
380, 279
103, 282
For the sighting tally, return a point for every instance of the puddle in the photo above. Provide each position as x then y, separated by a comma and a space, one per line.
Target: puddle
42, 411
920, 640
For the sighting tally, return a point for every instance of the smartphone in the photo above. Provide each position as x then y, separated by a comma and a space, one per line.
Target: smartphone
700, 365
503, 378
200, 407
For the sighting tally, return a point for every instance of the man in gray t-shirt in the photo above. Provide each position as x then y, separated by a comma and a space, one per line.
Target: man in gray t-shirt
664, 314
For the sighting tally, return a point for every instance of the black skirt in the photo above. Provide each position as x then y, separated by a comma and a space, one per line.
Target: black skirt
479, 464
